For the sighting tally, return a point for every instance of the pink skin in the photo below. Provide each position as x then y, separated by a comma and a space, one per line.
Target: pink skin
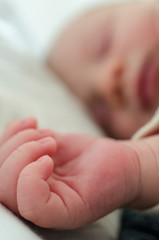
87, 178
20, 145
109, 58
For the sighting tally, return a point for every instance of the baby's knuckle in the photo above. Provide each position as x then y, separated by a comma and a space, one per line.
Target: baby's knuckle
18, 153
26, 147
31, 133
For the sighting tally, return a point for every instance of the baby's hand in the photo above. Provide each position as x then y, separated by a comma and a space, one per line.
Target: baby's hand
21, 144
90, 178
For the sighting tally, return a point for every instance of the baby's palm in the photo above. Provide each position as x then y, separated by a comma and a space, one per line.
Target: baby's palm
82, 186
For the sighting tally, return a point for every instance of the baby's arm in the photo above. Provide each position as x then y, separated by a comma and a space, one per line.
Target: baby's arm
20, 140
89, 178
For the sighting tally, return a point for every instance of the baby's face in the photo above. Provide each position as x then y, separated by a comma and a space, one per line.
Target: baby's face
110, 59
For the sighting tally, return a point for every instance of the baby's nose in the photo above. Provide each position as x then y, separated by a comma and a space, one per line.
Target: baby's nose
110, 85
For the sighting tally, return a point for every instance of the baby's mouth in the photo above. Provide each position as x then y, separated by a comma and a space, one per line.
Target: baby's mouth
147, 84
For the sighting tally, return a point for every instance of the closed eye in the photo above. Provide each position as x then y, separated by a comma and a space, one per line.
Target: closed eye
104, 48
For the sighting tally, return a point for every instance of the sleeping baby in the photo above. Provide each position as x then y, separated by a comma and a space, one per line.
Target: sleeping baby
108, 57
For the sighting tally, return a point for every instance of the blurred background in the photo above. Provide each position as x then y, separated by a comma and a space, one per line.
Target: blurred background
35, 24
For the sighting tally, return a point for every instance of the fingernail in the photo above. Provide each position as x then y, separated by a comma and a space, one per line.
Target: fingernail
44, 131
45, 140
42, 159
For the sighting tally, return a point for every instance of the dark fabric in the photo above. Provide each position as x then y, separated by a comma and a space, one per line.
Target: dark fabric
136, 226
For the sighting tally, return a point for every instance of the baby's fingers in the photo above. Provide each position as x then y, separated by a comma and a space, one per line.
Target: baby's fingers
36, 202
10, 170
16, 126
21, 138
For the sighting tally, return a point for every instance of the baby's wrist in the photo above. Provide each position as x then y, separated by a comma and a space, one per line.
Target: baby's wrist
147, 158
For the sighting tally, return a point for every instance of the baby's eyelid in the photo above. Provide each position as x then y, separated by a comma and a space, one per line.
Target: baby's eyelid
104, 47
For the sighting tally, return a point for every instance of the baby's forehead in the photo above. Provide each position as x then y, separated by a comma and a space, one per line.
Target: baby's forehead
108, 6
81, 24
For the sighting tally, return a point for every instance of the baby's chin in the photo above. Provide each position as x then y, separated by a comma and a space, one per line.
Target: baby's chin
102, 117
119, 132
